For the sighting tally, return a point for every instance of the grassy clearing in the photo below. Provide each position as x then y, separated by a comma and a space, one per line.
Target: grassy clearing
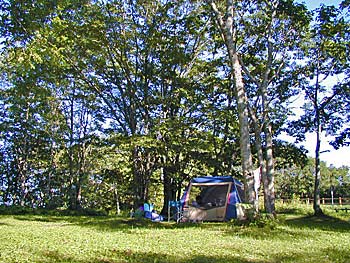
294, 238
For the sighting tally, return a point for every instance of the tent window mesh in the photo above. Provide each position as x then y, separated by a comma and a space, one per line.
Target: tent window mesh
208, 196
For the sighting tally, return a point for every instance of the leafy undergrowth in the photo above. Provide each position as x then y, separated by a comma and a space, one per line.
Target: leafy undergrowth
102, 239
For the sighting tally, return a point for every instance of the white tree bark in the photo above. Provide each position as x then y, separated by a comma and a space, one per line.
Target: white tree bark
228, 33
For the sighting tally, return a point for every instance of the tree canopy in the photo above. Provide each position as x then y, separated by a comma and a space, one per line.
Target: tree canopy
108, 104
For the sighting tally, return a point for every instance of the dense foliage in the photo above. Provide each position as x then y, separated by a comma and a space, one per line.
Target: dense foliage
106, 104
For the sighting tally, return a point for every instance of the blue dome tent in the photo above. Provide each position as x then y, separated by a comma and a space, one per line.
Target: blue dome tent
210, 198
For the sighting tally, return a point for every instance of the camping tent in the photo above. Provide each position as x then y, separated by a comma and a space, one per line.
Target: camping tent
212, 199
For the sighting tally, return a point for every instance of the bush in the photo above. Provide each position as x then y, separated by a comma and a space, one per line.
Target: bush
15, 210
20, 210
261, 220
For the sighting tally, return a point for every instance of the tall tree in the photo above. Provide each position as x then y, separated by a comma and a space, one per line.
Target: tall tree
271, 32
326, 58
27, 135
226, 18
35, 40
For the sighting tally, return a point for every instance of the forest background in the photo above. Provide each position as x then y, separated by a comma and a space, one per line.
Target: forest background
106, 104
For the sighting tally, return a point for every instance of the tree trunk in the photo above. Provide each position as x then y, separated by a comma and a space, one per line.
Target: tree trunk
247, 164
269, 187
72, 186
259, 150
268, 175
266, 164
169, 189
228, 33
116, 199
139, 199
317, 201
143, 167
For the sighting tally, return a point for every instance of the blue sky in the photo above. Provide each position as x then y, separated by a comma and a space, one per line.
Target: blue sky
312, 4
341, 156
331, 157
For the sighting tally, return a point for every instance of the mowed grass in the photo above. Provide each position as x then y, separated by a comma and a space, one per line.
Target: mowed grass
294, 238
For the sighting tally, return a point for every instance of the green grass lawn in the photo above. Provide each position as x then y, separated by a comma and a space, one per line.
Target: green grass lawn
294, 238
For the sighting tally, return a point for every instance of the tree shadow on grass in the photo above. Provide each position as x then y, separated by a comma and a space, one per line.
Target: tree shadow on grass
113, 223
292, 229
109, 223
324, 222
316, 256
130, 256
